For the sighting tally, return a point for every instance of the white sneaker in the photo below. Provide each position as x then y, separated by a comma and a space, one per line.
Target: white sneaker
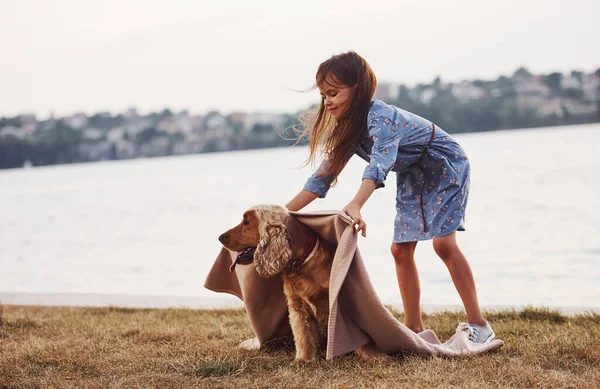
478, 334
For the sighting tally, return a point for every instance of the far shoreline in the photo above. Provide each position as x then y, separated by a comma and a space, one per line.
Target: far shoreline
212, 303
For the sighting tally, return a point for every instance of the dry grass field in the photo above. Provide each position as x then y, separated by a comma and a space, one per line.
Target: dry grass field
62, 347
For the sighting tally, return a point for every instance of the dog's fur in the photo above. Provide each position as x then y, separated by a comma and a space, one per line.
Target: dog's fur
280, 238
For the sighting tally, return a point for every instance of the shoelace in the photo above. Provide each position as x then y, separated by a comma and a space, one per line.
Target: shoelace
473, 331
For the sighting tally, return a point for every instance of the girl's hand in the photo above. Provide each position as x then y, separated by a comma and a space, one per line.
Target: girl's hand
353, 210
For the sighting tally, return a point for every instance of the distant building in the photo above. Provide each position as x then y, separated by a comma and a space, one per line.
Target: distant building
29, 125
465, 92
215, 120
532, 87
96, 151
77, 121
552, 107
168, 125
238, 120
12, 131
275, 120
570, 82
426, 95
157, 146
124, 150
183, 122
29, 129
197, 122
115, 134
136, 126
576, 108
591, 87
532, 92
93, 134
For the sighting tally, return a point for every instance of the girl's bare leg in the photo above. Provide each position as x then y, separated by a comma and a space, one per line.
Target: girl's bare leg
460, 271
408, 281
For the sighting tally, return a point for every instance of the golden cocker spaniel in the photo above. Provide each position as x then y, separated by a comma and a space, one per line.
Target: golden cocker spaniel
276, 242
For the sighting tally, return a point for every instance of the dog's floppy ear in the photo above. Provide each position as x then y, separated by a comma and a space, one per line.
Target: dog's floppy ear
273, 251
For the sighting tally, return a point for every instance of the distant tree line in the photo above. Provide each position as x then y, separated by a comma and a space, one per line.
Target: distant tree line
520, 101
500, 107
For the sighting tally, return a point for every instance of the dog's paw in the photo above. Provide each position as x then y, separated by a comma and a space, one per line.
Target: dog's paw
369, 352
382, 359
304, 361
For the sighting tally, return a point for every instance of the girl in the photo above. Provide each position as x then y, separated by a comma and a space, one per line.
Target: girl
432, 173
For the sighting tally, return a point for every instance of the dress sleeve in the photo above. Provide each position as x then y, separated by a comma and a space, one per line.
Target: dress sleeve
386, 138
318, 183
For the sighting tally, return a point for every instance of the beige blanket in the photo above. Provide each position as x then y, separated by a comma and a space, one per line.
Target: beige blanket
356, 313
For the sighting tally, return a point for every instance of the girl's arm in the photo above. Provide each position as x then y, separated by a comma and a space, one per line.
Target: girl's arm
316, 186
302, 199
367, 187
383, 129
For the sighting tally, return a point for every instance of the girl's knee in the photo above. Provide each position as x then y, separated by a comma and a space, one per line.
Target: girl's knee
403, 252
445, 247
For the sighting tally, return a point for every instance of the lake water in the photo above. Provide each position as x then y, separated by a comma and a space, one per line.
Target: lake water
150, 226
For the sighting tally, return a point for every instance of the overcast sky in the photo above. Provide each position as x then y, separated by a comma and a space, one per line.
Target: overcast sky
65, 56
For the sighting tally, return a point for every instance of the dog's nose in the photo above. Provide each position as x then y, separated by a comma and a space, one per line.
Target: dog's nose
221, 238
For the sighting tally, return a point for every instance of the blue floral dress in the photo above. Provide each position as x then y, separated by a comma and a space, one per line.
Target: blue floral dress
432, 172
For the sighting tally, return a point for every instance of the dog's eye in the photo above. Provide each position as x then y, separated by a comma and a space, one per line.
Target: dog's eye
245, 222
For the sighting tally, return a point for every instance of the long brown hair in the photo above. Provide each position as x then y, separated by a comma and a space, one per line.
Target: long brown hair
340, 139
